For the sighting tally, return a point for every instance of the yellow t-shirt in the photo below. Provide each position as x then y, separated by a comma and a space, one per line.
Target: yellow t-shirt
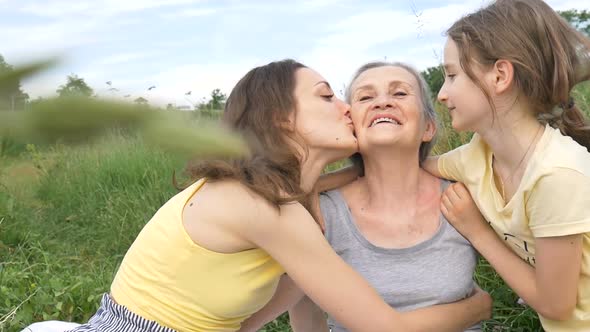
167, 278
553, 199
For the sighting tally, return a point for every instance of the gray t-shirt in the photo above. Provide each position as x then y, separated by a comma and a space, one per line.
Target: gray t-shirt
438, 270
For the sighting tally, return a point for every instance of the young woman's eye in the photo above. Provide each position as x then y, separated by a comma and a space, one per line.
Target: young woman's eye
328, 97
451, 76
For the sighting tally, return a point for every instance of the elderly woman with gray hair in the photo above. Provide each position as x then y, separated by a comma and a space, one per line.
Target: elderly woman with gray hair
385, 219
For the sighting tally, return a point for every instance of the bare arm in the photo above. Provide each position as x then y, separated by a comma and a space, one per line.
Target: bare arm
457, 316
286, 297
306, 316
551, 287
430, 165
337, 179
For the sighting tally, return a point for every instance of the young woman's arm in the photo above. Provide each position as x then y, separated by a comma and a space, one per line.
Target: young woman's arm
295, 241
457, 316
337, 179
286, 297
306, 316
550, 287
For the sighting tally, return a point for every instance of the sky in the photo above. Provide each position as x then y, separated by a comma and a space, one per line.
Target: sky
200, 45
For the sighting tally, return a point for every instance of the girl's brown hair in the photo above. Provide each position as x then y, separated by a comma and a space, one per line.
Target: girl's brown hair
549, 57
257, 106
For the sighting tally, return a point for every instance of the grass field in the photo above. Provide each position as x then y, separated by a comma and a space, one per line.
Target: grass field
68, 215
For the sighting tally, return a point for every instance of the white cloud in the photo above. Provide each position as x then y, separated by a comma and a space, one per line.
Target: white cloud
201, 79
413, 36
189, 13
67, 8
47, 39
309, 5
126, 57
568, 4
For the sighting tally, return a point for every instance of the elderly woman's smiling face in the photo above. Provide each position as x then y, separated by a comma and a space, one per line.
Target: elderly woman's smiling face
387, 110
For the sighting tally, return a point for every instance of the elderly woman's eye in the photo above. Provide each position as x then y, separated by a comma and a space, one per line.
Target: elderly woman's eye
363, 98
400, 93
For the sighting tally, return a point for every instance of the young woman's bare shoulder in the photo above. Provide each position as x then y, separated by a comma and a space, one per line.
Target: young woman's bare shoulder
236, 199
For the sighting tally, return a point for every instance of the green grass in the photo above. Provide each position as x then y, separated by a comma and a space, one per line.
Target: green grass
68, 215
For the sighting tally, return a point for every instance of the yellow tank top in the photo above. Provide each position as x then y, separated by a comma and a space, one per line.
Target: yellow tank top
167, 278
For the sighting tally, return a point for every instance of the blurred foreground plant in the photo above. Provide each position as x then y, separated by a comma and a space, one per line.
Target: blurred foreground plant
75, 120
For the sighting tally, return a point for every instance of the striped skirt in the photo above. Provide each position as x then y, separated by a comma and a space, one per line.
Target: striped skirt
112, 317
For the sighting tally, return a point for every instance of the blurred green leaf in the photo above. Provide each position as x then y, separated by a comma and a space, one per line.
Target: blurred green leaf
76, 120
9, 77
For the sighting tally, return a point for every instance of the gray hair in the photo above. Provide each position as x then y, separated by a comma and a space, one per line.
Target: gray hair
425, 99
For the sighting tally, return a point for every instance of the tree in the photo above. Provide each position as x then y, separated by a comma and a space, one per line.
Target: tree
579, 19
75, 86
434, 77
11, 95
218, 99
141, 101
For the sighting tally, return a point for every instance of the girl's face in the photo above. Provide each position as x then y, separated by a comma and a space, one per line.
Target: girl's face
386, 109
467, 104
321, 119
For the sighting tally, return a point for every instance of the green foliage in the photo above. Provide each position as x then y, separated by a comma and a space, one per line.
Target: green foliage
60, 242
217, 100
579, 19
78, 119
141, 101
75, 87
11, 95
434, 77
212, 107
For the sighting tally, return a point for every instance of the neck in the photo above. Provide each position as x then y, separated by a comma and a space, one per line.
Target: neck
392, 179
312, 167
512, 137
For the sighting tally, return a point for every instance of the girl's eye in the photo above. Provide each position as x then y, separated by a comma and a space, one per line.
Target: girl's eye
328, 97
451, 76
363, 98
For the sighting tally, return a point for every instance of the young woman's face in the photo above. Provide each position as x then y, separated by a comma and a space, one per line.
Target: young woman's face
322, 119
387, 110
467, 104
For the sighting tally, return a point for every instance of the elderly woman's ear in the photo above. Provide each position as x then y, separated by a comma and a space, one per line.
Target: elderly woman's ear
430, 131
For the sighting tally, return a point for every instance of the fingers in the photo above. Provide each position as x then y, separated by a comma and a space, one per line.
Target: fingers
461, 190
451, 194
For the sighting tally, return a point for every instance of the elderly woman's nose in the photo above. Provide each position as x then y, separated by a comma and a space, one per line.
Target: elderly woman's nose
383, 101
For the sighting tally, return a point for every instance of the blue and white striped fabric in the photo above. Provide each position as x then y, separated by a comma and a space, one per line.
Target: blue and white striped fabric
112, 317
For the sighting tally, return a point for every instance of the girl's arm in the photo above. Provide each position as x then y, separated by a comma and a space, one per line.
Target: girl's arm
550, 287
430, 165
295, 241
